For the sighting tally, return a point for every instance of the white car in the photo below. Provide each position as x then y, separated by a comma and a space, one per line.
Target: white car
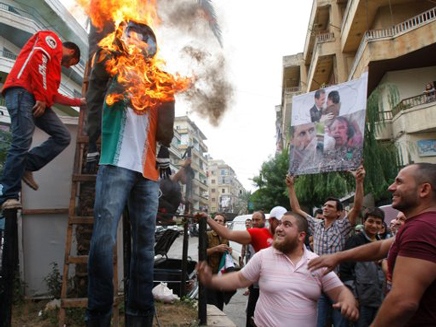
238, 223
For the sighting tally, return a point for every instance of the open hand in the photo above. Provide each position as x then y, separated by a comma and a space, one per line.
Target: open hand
329, 261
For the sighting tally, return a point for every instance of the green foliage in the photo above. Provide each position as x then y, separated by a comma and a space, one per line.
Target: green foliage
54, 281
5, 142
271, 183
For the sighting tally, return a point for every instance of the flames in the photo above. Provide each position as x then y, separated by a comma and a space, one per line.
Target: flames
144, 82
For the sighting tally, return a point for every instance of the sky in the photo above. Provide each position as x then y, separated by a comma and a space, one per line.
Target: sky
256, 35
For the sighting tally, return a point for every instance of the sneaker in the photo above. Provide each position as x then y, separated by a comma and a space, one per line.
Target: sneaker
11, 204
28, 179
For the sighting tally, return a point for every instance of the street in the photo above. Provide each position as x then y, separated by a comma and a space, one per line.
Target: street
235, 310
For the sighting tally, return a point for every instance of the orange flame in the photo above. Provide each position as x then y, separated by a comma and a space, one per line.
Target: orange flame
144, 82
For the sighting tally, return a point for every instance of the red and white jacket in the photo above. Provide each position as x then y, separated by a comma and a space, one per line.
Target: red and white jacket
38, 69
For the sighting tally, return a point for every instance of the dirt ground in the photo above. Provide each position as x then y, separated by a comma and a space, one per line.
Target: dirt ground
31, 314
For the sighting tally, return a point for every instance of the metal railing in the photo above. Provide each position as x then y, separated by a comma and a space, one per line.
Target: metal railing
406, 26
413, 102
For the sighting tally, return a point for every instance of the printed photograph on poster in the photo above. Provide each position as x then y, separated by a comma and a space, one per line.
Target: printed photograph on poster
426, 148
327, 128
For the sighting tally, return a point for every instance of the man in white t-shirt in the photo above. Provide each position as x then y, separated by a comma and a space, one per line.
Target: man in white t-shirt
285, 282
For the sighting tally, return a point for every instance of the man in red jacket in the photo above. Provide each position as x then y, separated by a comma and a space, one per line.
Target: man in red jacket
30, 90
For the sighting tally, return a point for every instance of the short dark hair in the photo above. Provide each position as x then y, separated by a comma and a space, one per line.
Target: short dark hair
318, 93
334, 96
426, 173
339, 205
318, 211
374, 212
73, 46
302, 224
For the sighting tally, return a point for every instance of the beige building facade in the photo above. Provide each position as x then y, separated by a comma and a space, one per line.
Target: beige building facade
190, 135
225, 190
394, 41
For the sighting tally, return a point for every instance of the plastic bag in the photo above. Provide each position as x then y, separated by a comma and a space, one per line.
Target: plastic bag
162, 293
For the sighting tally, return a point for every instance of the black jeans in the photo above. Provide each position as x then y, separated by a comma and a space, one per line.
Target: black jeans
251, 305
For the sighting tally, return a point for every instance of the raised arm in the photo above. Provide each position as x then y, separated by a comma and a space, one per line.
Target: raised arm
226, 282
240, 236
368, 252
295, 205
359, 174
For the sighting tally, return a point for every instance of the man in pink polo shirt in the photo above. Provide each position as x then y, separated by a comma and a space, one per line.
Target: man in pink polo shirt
285, 282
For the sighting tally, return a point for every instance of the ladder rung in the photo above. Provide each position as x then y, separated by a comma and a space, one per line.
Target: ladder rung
84, 178
84, 139
81, 220
78, 259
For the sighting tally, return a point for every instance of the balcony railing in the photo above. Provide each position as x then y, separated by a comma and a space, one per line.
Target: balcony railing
320, 38
324, 37
385, 115
406, 26
8, 55
413, 102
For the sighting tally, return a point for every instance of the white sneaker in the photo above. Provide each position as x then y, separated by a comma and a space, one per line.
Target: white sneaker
11, 204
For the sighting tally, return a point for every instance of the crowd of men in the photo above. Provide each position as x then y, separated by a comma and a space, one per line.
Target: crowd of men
374, 277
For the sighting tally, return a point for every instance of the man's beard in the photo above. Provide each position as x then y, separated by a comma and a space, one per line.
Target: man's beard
286, 245
407, 201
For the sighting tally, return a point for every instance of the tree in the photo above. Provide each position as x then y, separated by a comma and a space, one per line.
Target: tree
271, 183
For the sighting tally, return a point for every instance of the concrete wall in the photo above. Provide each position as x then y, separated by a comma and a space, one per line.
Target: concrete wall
400, 12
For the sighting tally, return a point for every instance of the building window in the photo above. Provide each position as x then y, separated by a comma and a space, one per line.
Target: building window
213, 199
212, 181
212, 190
223, 190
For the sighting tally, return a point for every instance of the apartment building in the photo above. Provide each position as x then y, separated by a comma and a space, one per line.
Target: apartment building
225, 190
191, 135
394, 41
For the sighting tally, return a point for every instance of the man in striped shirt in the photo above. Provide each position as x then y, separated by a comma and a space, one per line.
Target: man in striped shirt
330, 233
285, 282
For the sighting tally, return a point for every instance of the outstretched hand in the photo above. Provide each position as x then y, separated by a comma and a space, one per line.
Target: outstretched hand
329, 261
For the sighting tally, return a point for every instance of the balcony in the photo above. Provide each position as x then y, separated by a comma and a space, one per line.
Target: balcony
399, 40
318, 22
322, 61
416, 114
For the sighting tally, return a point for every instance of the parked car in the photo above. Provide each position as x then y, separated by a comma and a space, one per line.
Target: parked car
169, 270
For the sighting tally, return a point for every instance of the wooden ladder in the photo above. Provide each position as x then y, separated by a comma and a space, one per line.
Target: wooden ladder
81, 220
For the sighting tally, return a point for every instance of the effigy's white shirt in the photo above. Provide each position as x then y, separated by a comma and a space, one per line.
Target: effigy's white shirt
288, 293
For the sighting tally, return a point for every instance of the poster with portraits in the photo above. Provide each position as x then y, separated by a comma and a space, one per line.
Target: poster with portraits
327, 128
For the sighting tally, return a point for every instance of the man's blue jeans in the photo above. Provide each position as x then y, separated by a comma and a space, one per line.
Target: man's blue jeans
19, 103
324, 305
116, 187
